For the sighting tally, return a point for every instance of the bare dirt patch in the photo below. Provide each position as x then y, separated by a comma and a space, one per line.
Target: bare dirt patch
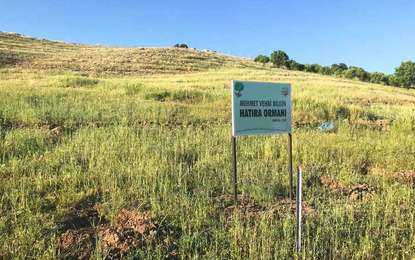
245, 207
360, 191
248, 208
380, 124
334, 185
130, 231
77, 244
52, 130
284, 206
405, 177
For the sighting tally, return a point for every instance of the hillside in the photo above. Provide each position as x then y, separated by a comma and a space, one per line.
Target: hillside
31, 53
96, 165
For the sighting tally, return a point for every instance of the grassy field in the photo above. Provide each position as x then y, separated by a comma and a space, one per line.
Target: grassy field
96, 165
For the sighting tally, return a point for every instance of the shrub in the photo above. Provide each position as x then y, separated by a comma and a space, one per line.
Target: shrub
405, 74
325, 70
181, 45
337, 69
293, 65
378, 77
279, 58
392, 80
314, 68
356, 73
262, 59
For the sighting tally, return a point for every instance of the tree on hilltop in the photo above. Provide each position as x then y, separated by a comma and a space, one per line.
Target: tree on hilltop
356, 73
314, 68
338, 69
378, 77
405, 74
262, 59
293, 65
279, 58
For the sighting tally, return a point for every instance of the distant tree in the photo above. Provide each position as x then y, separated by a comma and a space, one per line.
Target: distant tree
405, 74
356, 73
262, 59
279, 58
378, 77
392, 80
325, 70
293, 65
315, 68
181, 45
337, 69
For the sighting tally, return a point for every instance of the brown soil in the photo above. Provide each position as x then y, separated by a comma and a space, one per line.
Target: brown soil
284, 206
360, 192
406, 177
334, 185
56, 131
131, 230
77, 244
381, 124
246, 206
52, 130
356, 192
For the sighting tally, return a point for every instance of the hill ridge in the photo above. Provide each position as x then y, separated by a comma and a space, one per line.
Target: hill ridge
17, 50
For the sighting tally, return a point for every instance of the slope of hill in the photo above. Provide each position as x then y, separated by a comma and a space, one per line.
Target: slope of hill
109, 166
27, 52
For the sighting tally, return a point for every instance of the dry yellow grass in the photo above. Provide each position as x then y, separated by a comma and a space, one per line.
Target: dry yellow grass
31, 53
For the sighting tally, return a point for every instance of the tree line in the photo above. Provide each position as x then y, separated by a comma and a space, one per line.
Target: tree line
404, 75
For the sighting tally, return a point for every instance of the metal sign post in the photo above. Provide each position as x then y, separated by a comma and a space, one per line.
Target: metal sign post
290, 163
298, 210
235, 181
260, 108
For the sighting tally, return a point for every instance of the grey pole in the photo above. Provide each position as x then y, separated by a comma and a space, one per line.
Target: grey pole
235, 185
298, 210
290, 164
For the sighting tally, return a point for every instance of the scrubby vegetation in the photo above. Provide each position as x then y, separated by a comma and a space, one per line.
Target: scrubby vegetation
404, 75
139, 166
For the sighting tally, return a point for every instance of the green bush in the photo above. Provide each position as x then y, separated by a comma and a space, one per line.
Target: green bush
378, 77
279, 58
262, 59
337, 69
314, 68
293, 65
325, 70
392, 80
405, 74
356, 73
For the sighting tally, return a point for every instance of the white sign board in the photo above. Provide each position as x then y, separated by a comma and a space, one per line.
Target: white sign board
260, 108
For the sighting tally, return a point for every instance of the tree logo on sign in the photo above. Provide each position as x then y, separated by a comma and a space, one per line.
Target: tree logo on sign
238, 89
